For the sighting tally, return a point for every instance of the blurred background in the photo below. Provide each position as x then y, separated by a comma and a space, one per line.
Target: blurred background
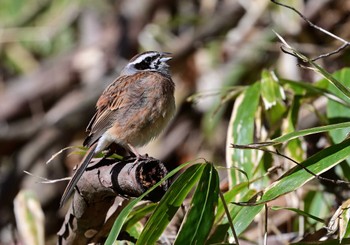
56, 57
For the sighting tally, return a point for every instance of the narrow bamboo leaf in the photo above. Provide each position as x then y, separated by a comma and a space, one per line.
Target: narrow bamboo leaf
262, 171
300, 212
309, 131
303, 88
135, 230
273, 97
317, 203
293, 135
344, 220
271, 91
221, 222
169, 204
336, 112
293, 179
294, 147
322, 87
241, 131
317, 68
122, 217
331, 79
344, 227
219, 236
243, 216
229, 197
200, 217
297, 176
139, 213
120, 220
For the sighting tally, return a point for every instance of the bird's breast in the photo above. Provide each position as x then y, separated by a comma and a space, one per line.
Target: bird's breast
152, 107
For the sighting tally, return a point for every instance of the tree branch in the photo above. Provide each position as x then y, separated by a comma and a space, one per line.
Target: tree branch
105, 185
345, 43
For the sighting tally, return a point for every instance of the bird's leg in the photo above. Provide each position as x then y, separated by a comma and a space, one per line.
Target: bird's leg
134, 151
109, 152
137, 155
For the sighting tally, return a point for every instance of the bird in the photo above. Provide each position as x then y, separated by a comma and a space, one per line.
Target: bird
131, 111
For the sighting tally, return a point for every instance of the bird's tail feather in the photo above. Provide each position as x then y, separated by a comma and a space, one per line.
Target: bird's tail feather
78, 173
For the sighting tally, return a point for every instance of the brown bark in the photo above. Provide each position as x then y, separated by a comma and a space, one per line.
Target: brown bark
108, 184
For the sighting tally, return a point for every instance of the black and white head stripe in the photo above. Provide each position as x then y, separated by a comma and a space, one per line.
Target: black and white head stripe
148, 61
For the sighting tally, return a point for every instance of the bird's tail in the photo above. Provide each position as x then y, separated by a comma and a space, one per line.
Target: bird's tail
77, 174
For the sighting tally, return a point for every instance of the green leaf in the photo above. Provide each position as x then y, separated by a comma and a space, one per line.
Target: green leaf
273, 97
229, 197
139, 213
271, 92
300, 212
297, 176
293, 135
219, 235
122, 217
243, 216
294, 147
200, 217
221, 222
169, 204
305, 132
305, 90
342, 88
241, 131
336, 112
317, 203
344, 227
134, 231
294, 179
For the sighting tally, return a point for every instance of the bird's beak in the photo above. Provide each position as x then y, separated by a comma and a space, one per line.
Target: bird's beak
165, 59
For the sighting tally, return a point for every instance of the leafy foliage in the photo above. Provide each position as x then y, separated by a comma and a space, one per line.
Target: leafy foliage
276, 161
247, 197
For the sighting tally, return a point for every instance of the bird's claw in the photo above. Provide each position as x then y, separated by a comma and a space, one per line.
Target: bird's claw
134, 164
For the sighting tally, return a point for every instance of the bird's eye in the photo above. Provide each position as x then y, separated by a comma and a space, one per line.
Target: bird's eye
146, 63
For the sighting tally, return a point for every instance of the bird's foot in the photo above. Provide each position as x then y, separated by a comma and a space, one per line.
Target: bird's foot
138, 157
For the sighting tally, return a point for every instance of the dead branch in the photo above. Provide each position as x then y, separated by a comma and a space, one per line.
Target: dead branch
106, 185
339, 49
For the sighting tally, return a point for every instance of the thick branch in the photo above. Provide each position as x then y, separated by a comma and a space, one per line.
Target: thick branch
102, 188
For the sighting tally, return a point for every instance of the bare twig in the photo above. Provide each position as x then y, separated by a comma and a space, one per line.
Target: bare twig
342, 47
345, 45
266, 223
310, 23
44, 180
228, 215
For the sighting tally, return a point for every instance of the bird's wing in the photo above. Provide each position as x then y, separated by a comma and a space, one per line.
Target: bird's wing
111, 100
120, 94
